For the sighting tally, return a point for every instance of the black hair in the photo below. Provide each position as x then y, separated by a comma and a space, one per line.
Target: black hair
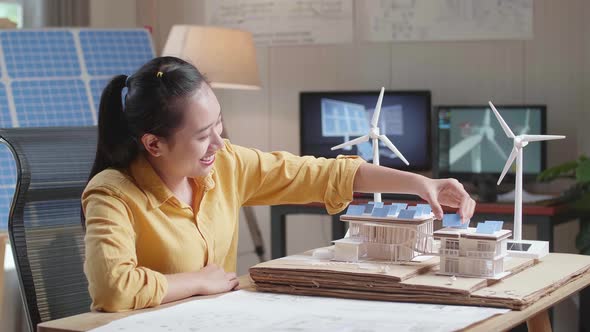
154, 103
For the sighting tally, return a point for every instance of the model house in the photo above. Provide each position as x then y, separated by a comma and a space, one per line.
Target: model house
474, 252
392, 232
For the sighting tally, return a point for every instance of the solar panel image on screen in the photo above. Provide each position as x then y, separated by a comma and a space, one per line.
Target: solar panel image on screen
54, 77
341, 118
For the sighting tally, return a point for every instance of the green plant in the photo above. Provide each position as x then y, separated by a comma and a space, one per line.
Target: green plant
578, 195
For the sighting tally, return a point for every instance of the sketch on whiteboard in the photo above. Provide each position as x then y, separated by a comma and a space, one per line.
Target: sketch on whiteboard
405, 20
276, 22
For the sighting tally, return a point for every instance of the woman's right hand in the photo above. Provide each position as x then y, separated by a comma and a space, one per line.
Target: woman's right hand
213, 280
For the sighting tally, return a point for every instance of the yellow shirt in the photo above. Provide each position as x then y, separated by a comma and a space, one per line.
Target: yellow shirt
137, 230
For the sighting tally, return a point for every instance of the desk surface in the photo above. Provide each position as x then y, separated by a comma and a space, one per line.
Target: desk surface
87, 321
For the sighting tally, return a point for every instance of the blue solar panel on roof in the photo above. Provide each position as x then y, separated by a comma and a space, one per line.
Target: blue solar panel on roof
5, 118
7, 183
40, 53
52, 103
115, 52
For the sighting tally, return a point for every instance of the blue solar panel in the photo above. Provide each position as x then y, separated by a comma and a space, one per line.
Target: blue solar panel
115, 52
5, 119
40, 53
7, 183
96, 87
52, 103
56, 77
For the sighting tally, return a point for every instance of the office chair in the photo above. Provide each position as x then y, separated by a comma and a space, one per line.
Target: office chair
44, 225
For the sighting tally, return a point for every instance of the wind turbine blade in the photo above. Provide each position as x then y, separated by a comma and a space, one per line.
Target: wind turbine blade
375, 118
355, 141
508, 164
502, 123
536, 138
463, 147
498, 148
526, 128
486, 119
392, 147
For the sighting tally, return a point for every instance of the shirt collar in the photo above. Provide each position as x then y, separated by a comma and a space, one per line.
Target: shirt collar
152, 185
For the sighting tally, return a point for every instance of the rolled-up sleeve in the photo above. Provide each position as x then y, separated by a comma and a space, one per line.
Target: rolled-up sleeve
283, 178
115, 282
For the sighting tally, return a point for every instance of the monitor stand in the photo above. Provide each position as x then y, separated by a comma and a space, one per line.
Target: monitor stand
527, 248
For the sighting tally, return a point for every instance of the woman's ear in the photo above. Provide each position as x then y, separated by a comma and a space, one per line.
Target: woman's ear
153, 144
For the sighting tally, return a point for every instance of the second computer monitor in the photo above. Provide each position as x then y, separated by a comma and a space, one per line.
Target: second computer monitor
328, 119
470, 141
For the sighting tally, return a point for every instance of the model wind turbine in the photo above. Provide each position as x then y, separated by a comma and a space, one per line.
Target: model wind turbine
375, 136
534, 248
472, 144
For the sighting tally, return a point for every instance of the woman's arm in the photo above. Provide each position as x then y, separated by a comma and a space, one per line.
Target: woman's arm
209, 280
449, 192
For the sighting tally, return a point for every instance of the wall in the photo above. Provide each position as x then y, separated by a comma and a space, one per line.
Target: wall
552, 69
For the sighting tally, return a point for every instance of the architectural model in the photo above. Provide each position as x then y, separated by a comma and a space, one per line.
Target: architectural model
472, 252
392, 233
518, 246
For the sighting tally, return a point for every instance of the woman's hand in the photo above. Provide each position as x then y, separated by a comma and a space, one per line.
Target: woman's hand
448, 192
213, 280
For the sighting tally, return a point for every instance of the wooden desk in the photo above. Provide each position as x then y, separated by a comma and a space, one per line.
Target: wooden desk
545, 218
536, 315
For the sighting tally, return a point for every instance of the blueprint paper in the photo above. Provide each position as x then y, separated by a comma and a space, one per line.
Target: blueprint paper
255, 311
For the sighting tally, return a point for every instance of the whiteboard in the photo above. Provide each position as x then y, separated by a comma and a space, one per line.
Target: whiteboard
423, 20
285, 22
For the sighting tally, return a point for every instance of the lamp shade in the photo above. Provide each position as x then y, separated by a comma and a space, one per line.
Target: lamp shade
226, 56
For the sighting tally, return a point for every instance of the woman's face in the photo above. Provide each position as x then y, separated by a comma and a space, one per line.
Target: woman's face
191, 149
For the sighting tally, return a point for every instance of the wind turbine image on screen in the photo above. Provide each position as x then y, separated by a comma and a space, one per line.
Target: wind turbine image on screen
471, 144
373, 133
519, 142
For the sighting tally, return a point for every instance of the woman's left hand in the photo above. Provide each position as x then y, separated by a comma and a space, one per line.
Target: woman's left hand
447, 192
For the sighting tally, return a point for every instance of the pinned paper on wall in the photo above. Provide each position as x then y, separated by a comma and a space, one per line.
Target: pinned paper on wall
424, 20
275, 22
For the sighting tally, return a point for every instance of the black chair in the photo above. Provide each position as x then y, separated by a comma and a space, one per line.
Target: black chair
44, 225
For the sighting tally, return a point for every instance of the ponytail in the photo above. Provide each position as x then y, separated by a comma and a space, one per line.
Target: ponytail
116, 145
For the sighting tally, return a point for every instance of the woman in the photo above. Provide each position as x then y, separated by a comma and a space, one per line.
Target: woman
162, 203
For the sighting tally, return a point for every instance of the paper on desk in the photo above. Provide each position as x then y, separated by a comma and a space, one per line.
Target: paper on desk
256, 311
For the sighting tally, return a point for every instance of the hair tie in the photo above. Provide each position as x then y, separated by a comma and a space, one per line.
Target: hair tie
159, 74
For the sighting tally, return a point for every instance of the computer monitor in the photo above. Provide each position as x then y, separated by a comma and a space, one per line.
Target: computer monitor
331, 118
469, 141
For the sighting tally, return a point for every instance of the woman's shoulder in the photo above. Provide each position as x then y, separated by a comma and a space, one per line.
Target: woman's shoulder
112, 180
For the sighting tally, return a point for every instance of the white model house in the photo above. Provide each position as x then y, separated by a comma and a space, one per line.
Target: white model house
473, 252
393, 232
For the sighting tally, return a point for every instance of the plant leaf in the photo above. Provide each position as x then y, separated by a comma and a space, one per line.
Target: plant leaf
583, 171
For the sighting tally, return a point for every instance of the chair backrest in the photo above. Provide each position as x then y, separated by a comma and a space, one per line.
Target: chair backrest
44, 224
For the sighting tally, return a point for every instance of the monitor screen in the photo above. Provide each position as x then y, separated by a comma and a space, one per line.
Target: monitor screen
328, 119
469, 139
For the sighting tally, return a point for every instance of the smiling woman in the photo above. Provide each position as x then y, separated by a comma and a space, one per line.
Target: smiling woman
162, 203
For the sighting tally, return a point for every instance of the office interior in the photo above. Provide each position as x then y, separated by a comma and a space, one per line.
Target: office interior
548, 72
